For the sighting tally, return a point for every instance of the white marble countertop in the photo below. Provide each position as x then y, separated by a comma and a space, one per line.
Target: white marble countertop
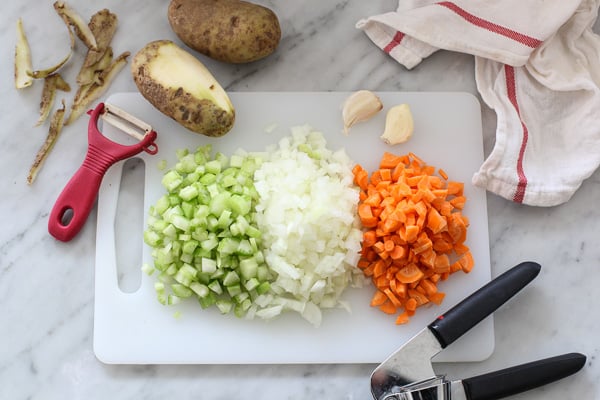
47, 287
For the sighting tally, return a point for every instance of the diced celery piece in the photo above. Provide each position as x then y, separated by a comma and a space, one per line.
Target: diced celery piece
229, 181
163, 256
186, 258
203, 277
186, 164
192, 177
173, 299
224, 219
186, 274
248, 268
224, 306
212, 223
202, 154
263, 273
208, 178
213, 166
164, 277
234, 290
240, 309
200, 289
161, 294
228, 245
263, 288
147, 269
180, 153
202, 253
218, 274
236, 160
171, 180
210, 243
239, 204
170, 231
222, 158
231, 278
238, 298
188, 193
180, 222
159, 225
215, 287
209, 265
207, 301
253, 232
162, 204
180, 290
251, 284
189, 246
174, 199
245, 248
152, 239
188, 209
202, 211
172, 211
219, 203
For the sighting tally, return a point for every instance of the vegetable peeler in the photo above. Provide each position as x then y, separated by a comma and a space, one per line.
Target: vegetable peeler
75, 202
408, 375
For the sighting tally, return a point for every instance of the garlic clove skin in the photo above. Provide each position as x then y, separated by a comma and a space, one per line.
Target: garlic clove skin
360, 106
399, 125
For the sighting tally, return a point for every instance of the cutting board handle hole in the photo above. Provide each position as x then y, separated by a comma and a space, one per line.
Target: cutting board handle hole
129, 220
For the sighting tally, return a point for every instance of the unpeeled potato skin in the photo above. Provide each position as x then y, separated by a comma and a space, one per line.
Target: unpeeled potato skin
232, 31
199, 116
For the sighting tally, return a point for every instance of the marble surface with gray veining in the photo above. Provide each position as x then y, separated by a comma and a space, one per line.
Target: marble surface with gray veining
47, 287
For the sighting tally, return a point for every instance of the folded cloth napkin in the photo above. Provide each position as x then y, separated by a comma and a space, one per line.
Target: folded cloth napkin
537, 65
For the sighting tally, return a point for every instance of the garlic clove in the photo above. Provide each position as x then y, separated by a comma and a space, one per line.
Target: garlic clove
399, 125
360, 106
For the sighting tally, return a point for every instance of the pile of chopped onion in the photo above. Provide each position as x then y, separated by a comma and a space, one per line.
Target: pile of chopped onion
307, 215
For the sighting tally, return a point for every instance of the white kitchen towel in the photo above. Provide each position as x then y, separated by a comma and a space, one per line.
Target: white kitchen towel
537, 65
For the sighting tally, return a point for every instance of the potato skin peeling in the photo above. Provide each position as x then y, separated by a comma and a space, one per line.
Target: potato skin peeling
23, 64
181, 87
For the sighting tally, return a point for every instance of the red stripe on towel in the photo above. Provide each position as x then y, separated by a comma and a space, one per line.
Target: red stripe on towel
394, 42
511, 90
492, 27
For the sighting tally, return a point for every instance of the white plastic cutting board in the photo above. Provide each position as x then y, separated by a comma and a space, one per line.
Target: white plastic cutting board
133, 328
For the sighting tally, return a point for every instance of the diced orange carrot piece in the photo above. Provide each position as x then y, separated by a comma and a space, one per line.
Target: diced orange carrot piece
435, 221
409, 274
378, 298
388, 307
389, 160
437, 297
403, 318
443, 174
411, 304
456, 188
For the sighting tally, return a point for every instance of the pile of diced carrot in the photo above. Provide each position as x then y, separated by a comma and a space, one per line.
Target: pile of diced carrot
414, 234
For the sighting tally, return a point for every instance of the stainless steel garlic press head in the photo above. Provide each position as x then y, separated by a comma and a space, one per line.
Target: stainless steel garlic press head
408, 373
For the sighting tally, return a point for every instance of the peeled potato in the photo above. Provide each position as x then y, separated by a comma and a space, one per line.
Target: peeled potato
181, 87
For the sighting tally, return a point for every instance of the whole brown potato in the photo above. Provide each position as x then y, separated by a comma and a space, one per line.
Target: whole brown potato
232, 31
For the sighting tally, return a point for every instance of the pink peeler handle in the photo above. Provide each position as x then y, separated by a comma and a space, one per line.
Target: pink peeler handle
75, 202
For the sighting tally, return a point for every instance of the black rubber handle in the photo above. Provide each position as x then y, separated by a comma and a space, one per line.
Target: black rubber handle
469, 312
513, 380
